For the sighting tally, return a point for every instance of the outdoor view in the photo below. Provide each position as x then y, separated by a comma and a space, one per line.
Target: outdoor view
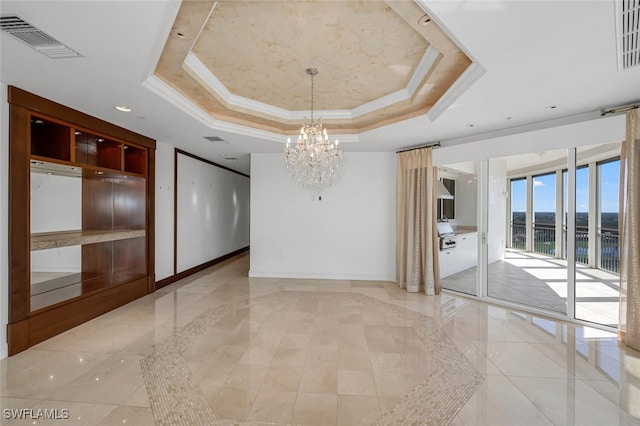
544, 209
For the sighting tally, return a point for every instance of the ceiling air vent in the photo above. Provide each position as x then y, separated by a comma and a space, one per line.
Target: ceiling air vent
628, 25
215, 139
36, 38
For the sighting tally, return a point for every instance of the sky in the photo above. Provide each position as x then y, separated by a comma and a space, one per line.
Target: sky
544, 194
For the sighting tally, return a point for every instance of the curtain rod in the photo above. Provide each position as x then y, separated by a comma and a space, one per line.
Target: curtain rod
619, 109
429, 145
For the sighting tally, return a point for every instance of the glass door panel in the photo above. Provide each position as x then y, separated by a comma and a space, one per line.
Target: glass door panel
544, 214
582, 214
518, 228
524, 230
597, 243
458, 263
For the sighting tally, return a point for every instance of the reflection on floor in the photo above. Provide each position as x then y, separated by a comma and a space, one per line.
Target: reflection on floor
279, 351
541, 281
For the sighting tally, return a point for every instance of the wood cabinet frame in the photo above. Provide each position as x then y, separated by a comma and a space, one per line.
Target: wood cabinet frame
26, 328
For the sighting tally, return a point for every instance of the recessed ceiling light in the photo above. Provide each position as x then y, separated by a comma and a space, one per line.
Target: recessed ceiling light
424, 20
470, 125
100, 140
123, 108
508, 118
179, 34
552, 107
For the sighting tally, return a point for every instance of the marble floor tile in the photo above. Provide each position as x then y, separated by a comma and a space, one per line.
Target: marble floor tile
220, 348
319, 381
571, 401
356, 383
357, 410
113, 381
282, 378
139, 416
273, 406
315, 409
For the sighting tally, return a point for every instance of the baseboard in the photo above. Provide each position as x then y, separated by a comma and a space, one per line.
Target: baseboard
314, 276
184, 274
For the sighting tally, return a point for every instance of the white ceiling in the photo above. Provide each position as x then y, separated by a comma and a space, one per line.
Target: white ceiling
535, 53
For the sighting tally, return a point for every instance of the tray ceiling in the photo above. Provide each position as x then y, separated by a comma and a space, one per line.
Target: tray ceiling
244, 62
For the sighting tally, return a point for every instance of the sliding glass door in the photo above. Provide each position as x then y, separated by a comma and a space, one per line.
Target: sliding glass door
524, 230
459, 260
597, 244
544, 226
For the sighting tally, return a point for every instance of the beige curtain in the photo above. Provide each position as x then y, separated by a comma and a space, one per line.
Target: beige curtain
416, 230
630, 233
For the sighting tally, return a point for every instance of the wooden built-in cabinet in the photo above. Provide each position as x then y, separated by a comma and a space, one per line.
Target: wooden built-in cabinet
81, 218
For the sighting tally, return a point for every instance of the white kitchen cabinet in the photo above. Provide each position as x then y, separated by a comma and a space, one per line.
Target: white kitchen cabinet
447, 262
460, 258
467, 246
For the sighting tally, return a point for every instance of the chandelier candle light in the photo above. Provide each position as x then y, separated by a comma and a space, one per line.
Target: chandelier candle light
313, 160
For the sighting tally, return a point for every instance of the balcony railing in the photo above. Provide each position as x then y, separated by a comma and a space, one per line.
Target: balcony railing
544, 239
544, 242
582, 244
609, 250
519, 235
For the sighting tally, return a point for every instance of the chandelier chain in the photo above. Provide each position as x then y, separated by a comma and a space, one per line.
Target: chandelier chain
312, 75
313, 160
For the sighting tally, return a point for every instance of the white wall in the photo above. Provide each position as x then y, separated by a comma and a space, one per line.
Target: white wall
349, 234
603, 130
164, 210
466, 200
213, 212
4, 220
211, 227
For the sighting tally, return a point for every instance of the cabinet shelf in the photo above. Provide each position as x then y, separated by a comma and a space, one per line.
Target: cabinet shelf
47, 293
49, 240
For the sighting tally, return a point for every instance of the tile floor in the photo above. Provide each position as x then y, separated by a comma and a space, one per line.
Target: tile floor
282, 351
541, 281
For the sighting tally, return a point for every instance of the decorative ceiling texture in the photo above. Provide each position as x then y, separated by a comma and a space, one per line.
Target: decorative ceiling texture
244, 62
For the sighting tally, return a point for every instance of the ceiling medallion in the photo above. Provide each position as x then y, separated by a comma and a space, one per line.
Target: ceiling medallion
313, 160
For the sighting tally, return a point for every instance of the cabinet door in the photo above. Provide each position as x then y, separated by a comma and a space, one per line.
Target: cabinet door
447, 263
467, 250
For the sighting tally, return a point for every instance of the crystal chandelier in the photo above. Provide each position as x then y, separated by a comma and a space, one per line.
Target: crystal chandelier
313, 160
